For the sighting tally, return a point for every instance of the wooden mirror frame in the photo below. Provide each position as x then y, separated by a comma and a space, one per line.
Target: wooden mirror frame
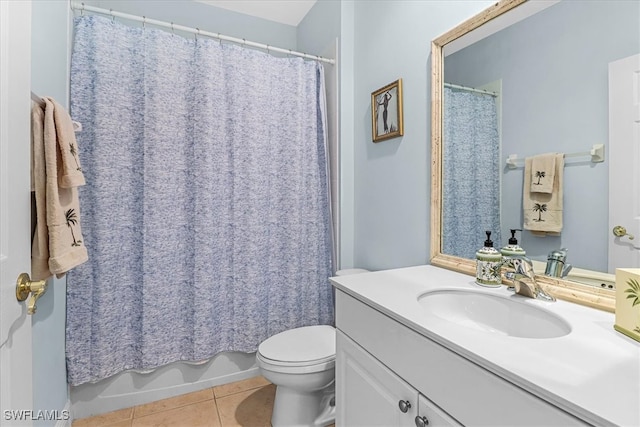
603, 299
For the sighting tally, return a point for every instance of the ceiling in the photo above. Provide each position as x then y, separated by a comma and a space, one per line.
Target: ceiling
289, 12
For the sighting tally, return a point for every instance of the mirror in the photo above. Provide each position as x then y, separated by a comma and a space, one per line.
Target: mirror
542, 108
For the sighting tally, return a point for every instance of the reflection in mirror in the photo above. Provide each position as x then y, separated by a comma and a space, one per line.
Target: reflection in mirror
537, 86
470, 170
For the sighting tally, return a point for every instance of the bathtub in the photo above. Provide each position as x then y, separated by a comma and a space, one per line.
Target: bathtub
132, 388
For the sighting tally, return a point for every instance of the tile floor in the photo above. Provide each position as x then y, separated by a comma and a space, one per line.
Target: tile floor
243, 403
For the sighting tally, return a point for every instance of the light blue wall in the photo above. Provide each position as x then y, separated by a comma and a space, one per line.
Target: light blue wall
554, 71
347, 131
320, 27
199, 15
49, 77
384, 187
392, 178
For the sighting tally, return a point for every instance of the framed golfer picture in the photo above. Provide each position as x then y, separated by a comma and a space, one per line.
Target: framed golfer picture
386, 112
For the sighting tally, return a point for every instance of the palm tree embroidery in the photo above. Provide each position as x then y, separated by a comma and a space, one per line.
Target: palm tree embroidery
72, 219
539, 208
74, 153
539, 174
634, 296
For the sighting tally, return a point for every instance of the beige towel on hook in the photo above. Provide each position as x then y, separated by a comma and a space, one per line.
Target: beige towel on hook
543, 170
542, 212
57, 243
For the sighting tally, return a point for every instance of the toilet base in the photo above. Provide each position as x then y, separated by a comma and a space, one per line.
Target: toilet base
295, 408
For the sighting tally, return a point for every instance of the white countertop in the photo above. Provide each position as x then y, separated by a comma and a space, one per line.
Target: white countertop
593, 372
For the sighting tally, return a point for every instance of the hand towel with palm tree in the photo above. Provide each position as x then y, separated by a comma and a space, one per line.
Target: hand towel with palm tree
57, 244
542, 212
543, 168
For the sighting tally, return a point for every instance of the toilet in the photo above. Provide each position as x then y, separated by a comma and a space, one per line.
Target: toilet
301, 363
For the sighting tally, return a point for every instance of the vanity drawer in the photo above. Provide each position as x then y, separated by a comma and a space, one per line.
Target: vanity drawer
465, 390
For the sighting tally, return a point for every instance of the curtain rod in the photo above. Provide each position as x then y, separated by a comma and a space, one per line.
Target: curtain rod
196, 31
470, 89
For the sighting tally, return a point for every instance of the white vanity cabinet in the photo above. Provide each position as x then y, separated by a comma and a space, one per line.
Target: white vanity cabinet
369, 394
380, 363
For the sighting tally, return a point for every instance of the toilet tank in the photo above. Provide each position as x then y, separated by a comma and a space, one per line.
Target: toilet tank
348, 271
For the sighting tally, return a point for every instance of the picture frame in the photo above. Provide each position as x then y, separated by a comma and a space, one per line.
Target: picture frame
386, 112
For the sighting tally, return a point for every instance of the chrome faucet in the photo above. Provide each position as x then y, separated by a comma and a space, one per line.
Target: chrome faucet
523, 269
556, 265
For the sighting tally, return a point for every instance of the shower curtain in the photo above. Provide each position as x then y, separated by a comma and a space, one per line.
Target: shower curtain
471, 172
206, 209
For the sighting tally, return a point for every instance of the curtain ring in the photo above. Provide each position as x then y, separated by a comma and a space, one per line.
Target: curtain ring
219, 39
82, 10
173, 31
244, 42
268, 51
113, 18
197, 32
144, 22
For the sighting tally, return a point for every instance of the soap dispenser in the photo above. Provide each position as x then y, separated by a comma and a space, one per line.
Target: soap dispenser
512, 250
488, 263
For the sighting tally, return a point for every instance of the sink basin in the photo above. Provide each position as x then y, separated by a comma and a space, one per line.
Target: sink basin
493, 314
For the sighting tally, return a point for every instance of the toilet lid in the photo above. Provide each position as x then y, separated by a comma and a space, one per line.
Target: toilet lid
300, 346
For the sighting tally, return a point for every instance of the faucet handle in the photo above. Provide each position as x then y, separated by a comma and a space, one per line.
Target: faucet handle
520, 265
526, 289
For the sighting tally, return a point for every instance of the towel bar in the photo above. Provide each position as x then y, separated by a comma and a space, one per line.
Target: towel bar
596, 153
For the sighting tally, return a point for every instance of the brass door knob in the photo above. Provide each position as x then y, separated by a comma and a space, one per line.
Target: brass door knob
620, 231
24, 287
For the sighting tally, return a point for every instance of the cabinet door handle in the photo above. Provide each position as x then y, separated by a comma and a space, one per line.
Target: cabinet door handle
421, 421
404, 405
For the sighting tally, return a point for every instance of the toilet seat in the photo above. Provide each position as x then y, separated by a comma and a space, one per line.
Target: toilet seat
301, 350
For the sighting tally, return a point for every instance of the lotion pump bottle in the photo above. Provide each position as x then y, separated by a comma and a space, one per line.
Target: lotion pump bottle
488, 263
512, 249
